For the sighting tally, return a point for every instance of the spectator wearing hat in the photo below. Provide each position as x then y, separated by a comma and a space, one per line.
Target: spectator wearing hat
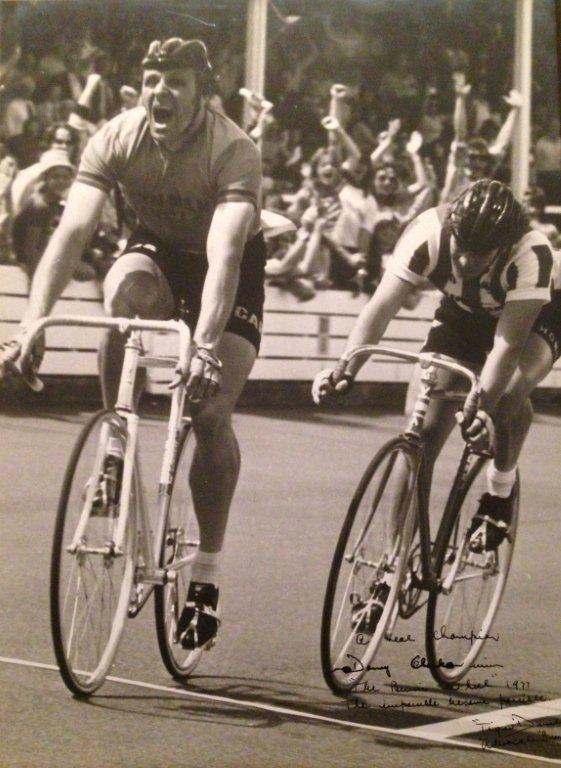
40, 215
59, 136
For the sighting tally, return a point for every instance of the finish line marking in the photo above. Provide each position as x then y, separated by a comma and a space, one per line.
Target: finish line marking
430, 733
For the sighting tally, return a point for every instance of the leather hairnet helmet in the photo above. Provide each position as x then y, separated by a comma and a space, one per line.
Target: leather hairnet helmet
176, 53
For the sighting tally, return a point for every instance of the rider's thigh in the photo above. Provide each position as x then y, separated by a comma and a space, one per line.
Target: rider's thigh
135, 285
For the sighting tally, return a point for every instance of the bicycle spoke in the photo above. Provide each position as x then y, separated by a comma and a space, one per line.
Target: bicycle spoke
359, 602
460, 616
180, 543
89, 590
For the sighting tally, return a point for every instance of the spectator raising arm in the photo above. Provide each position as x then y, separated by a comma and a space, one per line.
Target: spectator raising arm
385, 141
504, 137
459, 121
81, 117
338, 134
421, 177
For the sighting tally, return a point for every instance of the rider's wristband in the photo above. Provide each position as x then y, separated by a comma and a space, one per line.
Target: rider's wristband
205, 352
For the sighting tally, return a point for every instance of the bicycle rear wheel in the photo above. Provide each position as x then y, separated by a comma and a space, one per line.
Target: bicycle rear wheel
371, 551
461, 613
180, 543
90, 584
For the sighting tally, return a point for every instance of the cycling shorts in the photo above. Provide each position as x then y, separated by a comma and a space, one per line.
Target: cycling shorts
185, 273
548, 324
462, 335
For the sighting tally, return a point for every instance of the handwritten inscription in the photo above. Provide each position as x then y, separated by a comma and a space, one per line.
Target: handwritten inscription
482, 687
444, 634
520, 731
358, 666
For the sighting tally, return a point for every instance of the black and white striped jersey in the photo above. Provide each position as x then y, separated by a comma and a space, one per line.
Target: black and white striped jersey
521, 272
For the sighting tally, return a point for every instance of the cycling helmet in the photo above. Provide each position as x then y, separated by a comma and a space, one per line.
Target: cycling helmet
486, 216
176, 53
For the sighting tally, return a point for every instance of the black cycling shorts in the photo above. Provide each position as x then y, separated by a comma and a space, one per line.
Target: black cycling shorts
548, 324
465, 336
186, 272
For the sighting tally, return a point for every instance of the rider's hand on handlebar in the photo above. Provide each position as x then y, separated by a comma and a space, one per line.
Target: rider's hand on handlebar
478, 431
204, 376
331, 383
17, 357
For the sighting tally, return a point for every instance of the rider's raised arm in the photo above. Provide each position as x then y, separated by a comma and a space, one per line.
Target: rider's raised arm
229, 230
64, 250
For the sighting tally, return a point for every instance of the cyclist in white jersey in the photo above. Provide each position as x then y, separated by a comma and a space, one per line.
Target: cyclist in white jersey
193, 179
495, 274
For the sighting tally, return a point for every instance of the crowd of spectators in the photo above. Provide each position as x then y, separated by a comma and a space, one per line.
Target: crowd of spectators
366, 121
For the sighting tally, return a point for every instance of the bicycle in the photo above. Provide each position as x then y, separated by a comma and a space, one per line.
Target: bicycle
385, 561
106, 559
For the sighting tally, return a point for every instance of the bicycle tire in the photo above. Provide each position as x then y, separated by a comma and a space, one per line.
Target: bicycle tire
370, 514
102, 582
180, 540
458, 632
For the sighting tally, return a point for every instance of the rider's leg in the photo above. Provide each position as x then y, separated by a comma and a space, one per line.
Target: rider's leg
134, 286
213, 478
439, 422
513, 418
216, 463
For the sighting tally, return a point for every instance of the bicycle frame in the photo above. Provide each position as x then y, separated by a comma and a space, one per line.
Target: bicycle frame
413, 434
149, 573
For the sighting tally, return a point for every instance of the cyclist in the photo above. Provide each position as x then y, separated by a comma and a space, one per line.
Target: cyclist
494, 317
193, 179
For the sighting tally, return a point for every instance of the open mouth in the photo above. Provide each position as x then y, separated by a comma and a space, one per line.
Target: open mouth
162, 115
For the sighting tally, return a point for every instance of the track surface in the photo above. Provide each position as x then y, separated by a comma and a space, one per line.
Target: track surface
264, 702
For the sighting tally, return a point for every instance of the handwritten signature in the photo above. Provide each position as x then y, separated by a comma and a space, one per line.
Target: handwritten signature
359, 667
520, 731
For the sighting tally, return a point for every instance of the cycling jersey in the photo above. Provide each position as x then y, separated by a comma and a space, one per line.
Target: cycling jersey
174, 194
523, 271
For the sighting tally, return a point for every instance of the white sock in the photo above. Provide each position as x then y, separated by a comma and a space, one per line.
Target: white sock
206, 567
500, 483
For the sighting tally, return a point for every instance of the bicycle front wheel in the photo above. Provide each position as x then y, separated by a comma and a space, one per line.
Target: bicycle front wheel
368, 566
460, 613
90, 582
180, 543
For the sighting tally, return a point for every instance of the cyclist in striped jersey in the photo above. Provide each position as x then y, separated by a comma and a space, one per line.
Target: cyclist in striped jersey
495, 316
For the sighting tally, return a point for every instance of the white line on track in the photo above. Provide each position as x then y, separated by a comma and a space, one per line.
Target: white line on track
423, 732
